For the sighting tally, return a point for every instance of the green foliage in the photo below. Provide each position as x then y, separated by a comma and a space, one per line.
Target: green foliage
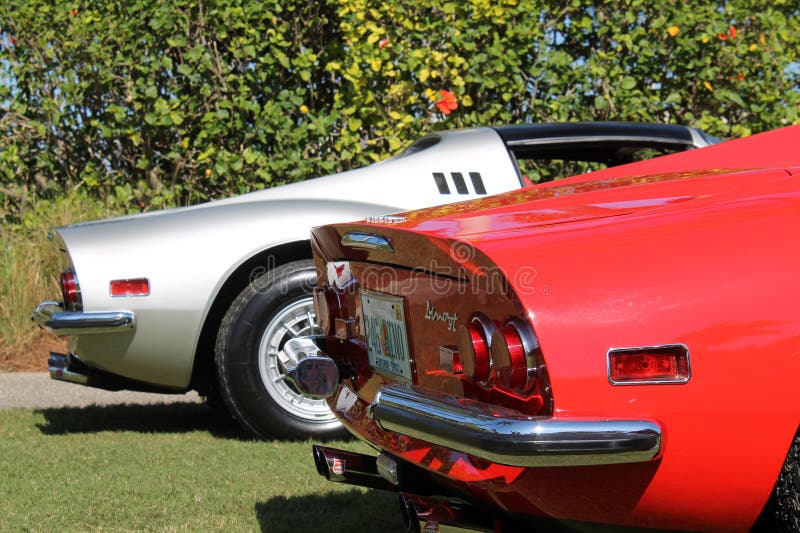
153, 103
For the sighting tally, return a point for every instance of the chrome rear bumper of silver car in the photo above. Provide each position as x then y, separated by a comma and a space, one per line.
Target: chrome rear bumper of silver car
52, 317
509, 437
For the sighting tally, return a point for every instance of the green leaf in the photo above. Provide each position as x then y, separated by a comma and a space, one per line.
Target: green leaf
628, 83
205, 155
354, 124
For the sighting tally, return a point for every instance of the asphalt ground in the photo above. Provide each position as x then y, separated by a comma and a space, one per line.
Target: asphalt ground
35, 390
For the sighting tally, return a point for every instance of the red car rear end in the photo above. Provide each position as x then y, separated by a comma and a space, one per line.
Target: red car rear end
618, 348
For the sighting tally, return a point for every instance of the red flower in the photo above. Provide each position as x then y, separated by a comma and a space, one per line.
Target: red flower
382, 43
740, 77
11, 41
732, 32
722, 36
448, 103
73, 12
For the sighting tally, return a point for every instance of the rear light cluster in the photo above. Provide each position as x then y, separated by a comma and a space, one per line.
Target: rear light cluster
130, 287
70, 291
506, 356
657, 364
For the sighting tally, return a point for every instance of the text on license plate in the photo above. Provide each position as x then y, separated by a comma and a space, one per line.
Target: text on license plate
385, 332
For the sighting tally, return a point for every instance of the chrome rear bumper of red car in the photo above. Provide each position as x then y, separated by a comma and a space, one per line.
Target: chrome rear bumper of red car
52, 317
483, 430
509, 437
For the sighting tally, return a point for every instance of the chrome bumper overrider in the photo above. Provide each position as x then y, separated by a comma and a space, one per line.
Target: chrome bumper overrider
509, 437
52, 317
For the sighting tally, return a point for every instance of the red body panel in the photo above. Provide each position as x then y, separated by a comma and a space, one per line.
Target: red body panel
704, 258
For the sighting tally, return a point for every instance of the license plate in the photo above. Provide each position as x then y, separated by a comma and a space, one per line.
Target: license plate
385, 332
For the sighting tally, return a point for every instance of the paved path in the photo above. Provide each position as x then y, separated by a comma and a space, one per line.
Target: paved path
37, 390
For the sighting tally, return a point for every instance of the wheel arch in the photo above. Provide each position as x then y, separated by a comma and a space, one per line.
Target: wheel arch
203, 368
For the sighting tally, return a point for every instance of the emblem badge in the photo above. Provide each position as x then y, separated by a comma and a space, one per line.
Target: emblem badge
386, 219
339, 273
338, 466
347, 399
448, 318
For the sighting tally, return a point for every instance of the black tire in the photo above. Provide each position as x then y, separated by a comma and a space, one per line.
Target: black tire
249, 376
785, 501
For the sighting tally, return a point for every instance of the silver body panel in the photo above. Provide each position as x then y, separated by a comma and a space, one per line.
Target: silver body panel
189, 253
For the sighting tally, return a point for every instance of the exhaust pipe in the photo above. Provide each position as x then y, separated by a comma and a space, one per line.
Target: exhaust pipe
350, 468
67, 367
61, 370
421, 514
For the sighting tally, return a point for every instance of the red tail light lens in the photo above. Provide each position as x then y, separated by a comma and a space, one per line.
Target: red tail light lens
130, 287
474, 352
660, 364
70, 291
517, 357
508, 355
501, 364
473, 347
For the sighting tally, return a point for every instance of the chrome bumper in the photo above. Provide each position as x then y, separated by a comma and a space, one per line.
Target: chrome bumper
52, 317
509, 437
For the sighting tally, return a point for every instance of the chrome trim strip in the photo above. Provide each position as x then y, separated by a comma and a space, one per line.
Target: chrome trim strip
52, 317
509, 437
386, 219
598, 139
654, 381
369, 241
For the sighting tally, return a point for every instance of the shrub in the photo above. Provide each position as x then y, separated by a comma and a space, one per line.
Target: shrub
151, 103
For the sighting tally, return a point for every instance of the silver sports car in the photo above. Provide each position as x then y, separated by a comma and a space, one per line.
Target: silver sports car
205, 297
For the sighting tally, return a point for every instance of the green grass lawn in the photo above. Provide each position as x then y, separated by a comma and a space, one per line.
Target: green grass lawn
169, 467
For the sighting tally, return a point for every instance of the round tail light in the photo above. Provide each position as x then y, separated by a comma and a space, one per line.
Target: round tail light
70, 291
474, 339
508, 354
514, 352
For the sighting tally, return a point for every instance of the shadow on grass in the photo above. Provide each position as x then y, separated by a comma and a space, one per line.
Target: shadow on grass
182, 417
335, 511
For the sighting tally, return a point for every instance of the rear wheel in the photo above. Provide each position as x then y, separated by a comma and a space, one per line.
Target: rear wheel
785, 501
273, 308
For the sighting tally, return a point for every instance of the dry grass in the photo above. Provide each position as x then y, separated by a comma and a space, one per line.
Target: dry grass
29, 268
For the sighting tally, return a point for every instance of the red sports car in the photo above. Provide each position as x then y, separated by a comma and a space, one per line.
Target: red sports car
619, 348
